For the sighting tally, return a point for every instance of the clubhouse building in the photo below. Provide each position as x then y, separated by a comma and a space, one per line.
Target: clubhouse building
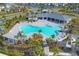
53, 17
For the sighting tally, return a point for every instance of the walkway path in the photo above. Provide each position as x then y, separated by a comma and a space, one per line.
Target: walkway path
3, 54
46, 47
60, 37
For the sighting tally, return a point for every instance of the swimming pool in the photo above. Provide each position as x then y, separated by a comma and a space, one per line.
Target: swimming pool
46, 30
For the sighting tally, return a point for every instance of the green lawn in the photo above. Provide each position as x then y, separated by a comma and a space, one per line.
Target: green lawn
11, 53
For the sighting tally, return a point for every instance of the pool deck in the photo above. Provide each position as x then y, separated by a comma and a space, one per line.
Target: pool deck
15, 30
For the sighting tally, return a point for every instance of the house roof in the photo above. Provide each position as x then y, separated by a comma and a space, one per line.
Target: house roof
9, 36
54, 15
2, 20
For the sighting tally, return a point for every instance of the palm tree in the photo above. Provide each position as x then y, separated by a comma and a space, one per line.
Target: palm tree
76, 45
34, 48
2, 43
77, 42
20, 38
4, 17
41, 6
49, 41
56, 51
37, 36
40, 31
53, 46
52, 36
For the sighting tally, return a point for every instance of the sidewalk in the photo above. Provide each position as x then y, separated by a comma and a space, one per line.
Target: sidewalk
61, 54
3, 54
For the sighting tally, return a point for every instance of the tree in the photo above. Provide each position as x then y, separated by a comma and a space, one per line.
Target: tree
37, 36
52, 36
4, 17
49, 41
2, 43
55, 48
56, 51
42, 6
34, 47
40, 31
10, 47
77, 43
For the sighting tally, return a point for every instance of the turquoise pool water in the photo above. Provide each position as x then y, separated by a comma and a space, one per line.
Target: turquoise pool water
46, 30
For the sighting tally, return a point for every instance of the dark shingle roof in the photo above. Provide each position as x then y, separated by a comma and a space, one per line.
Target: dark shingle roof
2, 20
54, 15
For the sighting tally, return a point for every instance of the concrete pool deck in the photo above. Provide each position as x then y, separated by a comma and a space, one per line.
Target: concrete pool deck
15, 30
